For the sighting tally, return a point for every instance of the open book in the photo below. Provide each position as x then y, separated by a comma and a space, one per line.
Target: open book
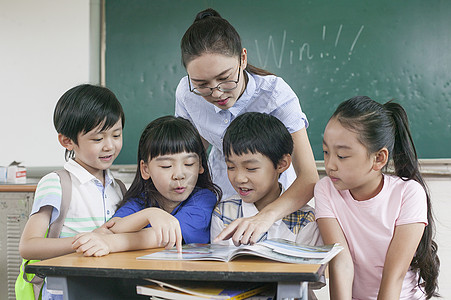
191, 290
275, 249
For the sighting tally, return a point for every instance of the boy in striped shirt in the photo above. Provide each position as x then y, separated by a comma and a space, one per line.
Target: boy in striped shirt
89, 121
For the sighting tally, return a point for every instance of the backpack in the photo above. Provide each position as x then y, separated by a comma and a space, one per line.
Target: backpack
29, 286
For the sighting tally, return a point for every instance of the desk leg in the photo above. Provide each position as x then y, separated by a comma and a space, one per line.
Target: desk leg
58, 283
292, 290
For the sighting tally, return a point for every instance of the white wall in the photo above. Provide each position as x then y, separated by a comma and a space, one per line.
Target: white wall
44, 51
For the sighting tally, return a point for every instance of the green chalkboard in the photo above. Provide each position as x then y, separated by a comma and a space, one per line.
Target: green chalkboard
328, 51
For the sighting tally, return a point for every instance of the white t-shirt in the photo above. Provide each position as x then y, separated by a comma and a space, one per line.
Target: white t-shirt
369, 227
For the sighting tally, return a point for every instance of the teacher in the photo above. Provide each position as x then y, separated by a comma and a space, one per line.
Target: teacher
222, 85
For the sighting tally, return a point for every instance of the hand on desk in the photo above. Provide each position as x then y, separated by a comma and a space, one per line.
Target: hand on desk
245, 230
91, 244
165, 232
105, 228
94, 243
167, 229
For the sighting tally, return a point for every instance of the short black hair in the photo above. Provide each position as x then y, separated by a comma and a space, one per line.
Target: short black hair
258, 133
83, 108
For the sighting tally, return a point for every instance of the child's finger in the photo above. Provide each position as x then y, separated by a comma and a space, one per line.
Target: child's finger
109, 224
78, 250
158, 236
247, 234
238, 235
90, 251
172, 238
84, 248
76, 245
228, 232
178, 243
100, 251
165, 239
169, 240
78, 241
256, 235
77, 237
168, 246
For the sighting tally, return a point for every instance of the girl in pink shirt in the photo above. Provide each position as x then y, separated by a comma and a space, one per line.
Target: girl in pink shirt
383, 221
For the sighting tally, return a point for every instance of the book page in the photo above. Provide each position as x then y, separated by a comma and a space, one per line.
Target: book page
265, 252
194, 252
266, 249
291, 248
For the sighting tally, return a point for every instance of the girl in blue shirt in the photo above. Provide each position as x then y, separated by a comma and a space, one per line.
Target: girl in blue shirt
220, 86
171, 199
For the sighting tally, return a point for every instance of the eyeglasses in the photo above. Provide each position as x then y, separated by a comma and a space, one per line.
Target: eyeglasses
225, 86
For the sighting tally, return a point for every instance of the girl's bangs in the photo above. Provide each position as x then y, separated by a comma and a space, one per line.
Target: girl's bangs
173, 143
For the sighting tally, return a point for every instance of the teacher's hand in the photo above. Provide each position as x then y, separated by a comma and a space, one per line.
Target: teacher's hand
246, 230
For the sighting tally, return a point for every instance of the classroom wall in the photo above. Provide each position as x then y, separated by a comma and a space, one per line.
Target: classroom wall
45, 49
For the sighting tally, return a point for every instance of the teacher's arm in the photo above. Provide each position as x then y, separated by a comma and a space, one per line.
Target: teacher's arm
249, 230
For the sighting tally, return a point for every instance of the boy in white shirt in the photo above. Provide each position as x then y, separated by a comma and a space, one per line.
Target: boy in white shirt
89, 120
257, 149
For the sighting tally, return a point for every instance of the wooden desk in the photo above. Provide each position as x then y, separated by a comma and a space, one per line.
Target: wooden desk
115, 276
9, 187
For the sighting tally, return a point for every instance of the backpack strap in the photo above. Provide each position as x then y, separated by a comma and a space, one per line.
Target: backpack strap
122, 186
54, 229
66, 191
66, 197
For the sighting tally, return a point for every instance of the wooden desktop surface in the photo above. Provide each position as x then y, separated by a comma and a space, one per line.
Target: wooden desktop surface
125, 265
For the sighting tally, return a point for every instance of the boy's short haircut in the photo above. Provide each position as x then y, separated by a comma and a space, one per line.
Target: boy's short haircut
258, 133
83, 108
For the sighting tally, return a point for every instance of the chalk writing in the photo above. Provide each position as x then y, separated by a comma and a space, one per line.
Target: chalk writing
338, 35
356, 38
305, 50
271, 45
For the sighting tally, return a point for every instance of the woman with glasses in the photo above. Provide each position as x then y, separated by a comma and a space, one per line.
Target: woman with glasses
220, 86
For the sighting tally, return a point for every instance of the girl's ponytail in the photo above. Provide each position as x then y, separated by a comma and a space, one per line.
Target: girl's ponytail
404, 155
406, 166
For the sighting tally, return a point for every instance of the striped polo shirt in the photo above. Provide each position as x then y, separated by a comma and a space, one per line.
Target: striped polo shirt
92, 204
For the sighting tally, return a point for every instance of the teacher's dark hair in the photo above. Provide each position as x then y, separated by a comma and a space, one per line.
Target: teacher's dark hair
210, 33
